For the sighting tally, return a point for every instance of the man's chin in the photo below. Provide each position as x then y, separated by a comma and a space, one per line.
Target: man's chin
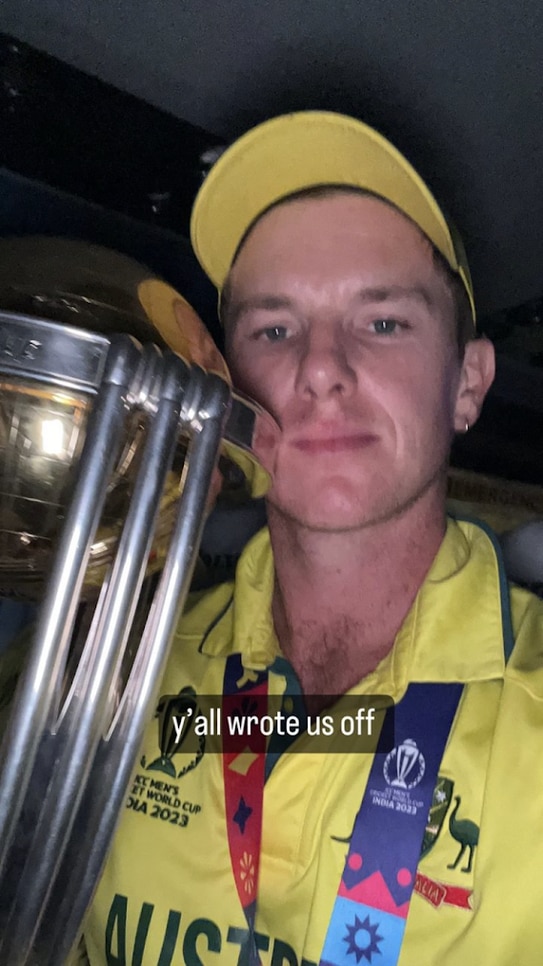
337, 512
323, 516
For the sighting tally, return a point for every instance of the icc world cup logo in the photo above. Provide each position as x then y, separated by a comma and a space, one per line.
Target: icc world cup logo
404, 766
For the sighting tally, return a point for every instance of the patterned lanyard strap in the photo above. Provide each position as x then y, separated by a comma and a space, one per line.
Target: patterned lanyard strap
370, 910
377, 883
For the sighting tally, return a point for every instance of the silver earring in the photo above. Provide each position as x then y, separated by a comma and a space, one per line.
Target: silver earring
467, 427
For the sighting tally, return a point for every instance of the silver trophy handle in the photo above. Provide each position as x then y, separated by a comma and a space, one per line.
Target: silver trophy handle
67, 760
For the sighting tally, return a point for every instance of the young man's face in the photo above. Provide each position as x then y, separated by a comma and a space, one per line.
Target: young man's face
340, 324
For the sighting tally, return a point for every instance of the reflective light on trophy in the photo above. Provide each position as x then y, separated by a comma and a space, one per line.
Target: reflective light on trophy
52, 437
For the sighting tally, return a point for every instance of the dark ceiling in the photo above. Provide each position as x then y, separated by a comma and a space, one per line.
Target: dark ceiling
457, 85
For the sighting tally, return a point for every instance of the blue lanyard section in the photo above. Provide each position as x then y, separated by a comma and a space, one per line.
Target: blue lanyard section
370, 910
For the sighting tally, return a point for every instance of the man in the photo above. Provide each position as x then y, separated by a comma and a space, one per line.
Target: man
348, 313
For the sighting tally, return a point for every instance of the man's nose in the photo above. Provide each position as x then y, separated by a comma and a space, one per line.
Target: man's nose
324, 368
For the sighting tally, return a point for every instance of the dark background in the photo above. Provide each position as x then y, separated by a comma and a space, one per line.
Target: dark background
458, 87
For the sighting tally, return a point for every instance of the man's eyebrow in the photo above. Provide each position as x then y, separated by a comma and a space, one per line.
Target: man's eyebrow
270, 303
391, 292
274, 303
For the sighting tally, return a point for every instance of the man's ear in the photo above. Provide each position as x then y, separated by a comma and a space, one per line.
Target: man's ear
476, 377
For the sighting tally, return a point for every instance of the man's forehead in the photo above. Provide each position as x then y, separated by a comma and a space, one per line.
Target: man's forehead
325, 199
337, 227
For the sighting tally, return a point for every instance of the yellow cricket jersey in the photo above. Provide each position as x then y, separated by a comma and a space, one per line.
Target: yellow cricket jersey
167, 896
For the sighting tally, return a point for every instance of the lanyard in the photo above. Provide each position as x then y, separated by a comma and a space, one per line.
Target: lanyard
244, 762
370, 910
376, 886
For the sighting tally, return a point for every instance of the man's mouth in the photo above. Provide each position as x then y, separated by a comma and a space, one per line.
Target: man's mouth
333, 443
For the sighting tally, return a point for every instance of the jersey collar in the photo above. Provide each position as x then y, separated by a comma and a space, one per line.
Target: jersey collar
457, 611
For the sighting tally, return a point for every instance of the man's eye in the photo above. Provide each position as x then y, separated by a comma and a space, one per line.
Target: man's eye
385, 326
273, 333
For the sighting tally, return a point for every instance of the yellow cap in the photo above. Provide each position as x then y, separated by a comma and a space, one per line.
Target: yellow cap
302, 150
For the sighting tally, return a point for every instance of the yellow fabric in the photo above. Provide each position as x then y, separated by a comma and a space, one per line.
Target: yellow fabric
168, 896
